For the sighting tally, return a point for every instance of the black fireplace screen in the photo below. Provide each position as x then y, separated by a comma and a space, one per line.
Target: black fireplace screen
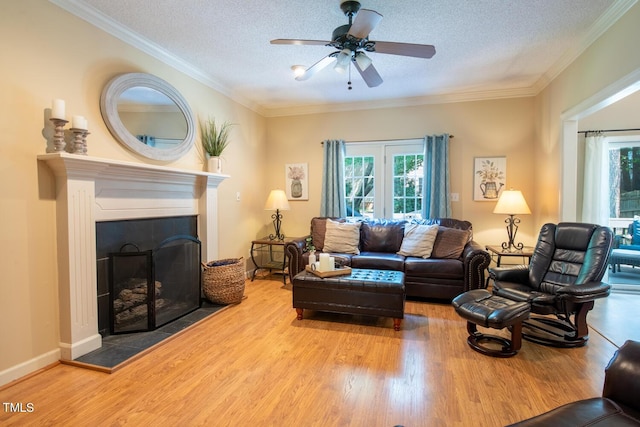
151, 288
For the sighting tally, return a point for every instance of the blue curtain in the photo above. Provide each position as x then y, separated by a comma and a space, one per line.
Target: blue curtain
436, 203
332, 201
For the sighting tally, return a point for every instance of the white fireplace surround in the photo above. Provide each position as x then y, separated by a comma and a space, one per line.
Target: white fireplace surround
90, 190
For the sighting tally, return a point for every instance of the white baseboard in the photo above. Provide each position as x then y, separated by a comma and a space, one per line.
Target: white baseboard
32, 365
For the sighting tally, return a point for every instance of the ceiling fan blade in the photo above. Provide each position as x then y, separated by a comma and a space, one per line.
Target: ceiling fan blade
366, 20
316, 67
300, 42
405, 49
369, 75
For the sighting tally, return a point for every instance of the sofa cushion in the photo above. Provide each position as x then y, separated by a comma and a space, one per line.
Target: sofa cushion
450, 242
452, 269
343, 237
318, 230
381, 235
418, 240
378, 261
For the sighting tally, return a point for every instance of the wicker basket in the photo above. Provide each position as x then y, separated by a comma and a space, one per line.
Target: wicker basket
223, 281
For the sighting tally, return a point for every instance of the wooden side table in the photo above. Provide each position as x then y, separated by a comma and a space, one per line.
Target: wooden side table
497, 253
268, 254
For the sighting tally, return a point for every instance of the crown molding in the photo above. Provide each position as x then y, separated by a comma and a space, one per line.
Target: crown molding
108, 25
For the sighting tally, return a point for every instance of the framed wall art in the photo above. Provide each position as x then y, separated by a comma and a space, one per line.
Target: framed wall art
297, 181
489, 178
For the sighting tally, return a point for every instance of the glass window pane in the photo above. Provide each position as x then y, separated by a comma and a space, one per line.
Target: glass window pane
359, 187
407, 185
398, 187
357, 166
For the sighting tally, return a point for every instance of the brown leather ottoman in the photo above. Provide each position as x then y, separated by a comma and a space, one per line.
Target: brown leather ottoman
480, 307
369, 292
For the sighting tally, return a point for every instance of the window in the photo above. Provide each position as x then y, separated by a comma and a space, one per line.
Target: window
624, 177
407, 185
359, 184
384, 180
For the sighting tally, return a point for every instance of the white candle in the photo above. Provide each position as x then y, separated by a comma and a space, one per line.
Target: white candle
57, 109
325, 262
79, 122
332, 263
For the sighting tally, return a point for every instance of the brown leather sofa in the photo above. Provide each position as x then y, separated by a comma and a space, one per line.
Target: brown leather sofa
381, 239
619, 404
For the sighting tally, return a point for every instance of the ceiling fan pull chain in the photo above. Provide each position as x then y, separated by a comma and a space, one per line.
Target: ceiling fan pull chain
349, 82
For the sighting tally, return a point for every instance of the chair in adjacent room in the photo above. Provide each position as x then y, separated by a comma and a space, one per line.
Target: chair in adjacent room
561, 282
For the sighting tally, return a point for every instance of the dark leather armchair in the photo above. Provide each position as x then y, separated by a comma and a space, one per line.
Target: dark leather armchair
561, 282
619, 404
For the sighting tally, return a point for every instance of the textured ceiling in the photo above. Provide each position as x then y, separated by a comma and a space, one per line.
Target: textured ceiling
482, 46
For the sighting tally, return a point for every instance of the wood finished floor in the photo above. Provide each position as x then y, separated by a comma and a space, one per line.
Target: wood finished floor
254, 364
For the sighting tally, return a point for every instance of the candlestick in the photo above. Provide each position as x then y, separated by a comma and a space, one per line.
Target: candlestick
57, 109
84, 141
58, 134
79, 141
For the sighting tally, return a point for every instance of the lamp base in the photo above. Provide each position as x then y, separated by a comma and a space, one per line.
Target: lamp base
512, 229
277, 222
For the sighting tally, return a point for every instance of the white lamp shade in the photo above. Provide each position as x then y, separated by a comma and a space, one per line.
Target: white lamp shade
343, 59
512, 202
277, 200
363, 60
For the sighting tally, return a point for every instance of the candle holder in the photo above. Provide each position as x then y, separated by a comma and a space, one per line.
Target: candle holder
58, 134
79, 141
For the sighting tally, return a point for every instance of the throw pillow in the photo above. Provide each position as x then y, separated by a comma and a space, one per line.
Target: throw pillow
342, 237
450, 243
418, 240
318, 230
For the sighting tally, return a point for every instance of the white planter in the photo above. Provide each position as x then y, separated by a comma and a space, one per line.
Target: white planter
214, 164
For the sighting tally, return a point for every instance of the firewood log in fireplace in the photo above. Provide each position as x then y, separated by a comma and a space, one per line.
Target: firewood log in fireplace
131, 304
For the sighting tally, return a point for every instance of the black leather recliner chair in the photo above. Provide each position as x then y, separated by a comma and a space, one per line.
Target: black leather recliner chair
561, 282
619, 404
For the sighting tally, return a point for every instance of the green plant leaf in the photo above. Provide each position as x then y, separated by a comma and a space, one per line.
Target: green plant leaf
215, 138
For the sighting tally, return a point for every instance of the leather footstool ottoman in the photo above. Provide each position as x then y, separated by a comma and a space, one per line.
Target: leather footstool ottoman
364, 291
480, 307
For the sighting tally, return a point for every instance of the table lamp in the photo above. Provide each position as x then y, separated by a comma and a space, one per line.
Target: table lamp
277, 201
512, 203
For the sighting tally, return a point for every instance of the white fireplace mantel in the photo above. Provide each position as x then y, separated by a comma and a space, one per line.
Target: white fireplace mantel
90, 190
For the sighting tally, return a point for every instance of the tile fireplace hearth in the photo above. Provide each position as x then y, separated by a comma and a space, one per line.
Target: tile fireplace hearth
90, 190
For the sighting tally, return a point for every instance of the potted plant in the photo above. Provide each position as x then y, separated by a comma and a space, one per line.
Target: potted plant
214, 140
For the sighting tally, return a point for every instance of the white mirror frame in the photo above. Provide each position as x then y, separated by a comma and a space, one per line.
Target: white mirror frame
109, 110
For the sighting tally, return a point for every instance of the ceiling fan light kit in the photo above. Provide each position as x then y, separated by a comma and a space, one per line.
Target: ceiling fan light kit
343, 60
363, 60
352, 40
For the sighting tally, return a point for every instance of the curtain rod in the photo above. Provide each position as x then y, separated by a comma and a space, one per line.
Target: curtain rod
608, 130
390, 140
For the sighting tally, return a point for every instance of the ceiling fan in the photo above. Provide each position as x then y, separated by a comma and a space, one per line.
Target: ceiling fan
352, 40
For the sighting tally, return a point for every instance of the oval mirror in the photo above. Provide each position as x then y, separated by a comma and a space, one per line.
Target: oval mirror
148, 115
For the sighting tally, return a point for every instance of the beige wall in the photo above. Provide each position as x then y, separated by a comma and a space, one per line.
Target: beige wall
610, 58
48, 53
481, 128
